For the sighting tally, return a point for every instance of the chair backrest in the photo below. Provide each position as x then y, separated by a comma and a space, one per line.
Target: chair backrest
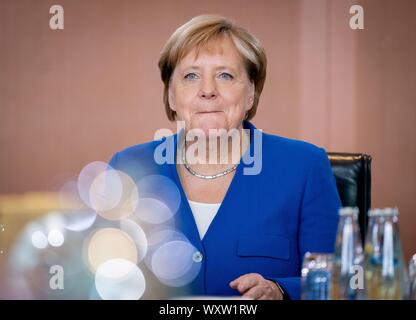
352, 173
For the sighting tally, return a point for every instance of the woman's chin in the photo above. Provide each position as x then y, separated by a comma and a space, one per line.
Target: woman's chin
209, 126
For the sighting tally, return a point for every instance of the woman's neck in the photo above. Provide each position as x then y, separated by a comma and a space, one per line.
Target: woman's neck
217, 152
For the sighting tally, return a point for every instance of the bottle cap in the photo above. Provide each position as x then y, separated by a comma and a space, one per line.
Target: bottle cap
383, 212
348, 211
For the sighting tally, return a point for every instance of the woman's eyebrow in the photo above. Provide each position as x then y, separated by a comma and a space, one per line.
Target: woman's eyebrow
191, 67
225, 68
195, 67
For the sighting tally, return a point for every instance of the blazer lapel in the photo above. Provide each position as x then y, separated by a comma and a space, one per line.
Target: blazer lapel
184, 217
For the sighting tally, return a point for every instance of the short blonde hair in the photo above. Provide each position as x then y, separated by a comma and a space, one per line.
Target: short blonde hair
195, 34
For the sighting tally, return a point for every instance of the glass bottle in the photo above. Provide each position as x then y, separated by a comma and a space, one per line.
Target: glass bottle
385, 271
316, 276
348, 272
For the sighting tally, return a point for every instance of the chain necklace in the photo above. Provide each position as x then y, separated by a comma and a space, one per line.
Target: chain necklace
204, 176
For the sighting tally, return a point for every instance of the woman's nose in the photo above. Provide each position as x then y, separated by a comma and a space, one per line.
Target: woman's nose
208, 90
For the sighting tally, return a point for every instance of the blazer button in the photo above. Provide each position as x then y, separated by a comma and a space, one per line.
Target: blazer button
197, 256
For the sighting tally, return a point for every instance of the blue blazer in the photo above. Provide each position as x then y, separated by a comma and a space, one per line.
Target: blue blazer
265, 223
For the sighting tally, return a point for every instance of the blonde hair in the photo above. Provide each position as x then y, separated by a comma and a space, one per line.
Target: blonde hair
196, 33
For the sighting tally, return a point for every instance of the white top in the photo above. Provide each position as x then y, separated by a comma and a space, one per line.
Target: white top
203, 213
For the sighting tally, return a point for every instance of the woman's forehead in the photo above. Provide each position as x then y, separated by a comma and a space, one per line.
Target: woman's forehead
221, 49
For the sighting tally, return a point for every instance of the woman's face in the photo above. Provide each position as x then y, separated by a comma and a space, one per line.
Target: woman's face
211, 90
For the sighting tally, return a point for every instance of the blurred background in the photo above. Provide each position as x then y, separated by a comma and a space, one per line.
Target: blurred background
69, 97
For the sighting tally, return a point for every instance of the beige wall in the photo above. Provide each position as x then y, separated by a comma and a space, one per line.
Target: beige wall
73, 96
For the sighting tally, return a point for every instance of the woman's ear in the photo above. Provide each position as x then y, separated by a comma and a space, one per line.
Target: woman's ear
171, 98
250, 99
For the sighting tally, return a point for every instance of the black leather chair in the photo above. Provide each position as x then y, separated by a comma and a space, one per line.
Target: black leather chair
352, 173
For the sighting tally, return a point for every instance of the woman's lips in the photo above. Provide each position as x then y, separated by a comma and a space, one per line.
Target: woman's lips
205, 112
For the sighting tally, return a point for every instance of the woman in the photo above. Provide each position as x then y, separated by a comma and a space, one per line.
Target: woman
250, 231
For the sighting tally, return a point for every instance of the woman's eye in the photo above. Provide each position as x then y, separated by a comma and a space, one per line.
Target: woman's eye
226, 76
191, 76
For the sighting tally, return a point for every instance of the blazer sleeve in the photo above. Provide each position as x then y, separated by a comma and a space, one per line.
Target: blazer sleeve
113, 161
318, 218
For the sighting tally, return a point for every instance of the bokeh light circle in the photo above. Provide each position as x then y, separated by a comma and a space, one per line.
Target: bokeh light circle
161, 188
109, 243
172, 263
39, 240
128, 199
69, 196
55, 238
119, 279
86, 178
106, 191
137, 235
153, 211
79, 220
159, 236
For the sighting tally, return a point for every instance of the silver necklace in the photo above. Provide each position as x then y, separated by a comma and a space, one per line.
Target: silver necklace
205, 176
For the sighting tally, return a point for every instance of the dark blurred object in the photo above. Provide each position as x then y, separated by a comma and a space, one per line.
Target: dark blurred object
352, 173
412, 278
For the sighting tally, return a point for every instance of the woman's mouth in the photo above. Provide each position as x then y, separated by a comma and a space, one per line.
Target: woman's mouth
209, 112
